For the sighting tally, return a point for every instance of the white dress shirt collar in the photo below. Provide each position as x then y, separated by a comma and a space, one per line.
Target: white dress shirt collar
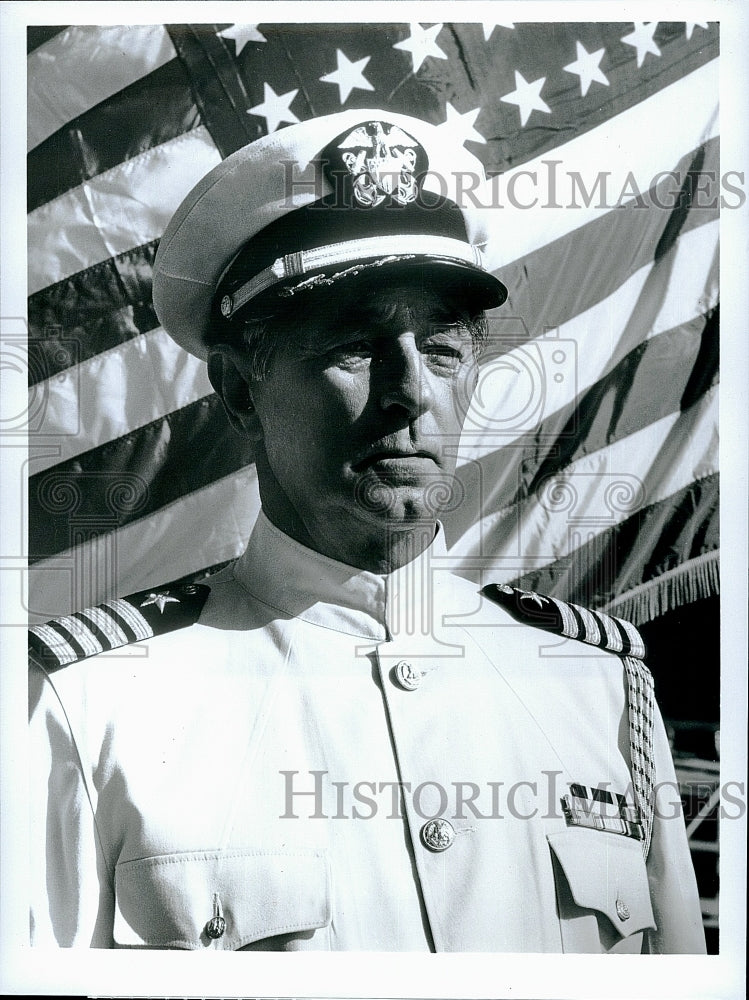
301, 583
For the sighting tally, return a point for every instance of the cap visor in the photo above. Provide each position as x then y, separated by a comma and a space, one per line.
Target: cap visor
481, 287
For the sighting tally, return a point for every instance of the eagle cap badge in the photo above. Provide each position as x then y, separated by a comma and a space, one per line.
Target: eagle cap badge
380, 161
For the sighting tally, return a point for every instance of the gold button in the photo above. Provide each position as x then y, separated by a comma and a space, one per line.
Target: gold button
622, 910
216, 925
407, 676
438, 834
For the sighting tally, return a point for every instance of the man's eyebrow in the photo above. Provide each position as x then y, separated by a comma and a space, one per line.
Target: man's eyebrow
329, 325
379, 312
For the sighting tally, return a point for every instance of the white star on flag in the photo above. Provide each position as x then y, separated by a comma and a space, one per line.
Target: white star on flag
527, 96
462, 125
691, 25
642, 40
160, 600
586, 66
348, 76
422, 43
275, 108
242, 34
489, 27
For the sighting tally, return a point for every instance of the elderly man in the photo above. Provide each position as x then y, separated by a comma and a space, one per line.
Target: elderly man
336, 743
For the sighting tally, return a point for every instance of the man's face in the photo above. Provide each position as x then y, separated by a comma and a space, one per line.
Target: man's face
362, 410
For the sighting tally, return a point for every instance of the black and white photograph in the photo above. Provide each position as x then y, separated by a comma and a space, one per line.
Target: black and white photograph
362, 441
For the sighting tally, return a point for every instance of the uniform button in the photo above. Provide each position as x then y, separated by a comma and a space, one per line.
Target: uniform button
407, 676
622, 910
438, 834
216, 925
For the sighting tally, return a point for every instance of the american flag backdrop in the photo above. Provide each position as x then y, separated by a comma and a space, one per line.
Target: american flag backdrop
589, 465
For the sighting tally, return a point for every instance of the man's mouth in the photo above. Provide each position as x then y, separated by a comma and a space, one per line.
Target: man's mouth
393, 457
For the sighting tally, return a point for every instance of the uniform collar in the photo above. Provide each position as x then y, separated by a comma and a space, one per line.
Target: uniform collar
300, 583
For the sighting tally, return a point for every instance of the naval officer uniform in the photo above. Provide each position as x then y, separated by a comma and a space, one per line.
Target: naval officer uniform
310, 755
259, 767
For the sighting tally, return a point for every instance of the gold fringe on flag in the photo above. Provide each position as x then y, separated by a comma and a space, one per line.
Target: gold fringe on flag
691, 581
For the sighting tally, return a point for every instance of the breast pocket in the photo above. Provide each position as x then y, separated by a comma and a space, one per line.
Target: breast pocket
603, 896
274, 900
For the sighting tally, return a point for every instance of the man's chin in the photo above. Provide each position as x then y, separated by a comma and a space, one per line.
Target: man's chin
403, 498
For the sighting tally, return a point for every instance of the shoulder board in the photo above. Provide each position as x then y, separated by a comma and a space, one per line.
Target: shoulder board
617, 636
116, 623
549, 613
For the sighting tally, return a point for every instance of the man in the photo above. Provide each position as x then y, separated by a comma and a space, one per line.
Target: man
336, 743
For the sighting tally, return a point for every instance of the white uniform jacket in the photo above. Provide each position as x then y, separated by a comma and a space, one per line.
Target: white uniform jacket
266, 777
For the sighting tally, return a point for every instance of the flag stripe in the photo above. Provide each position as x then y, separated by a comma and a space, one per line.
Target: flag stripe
37, 35
668, 373
512, 143
83, 66
81, 412
509, 406
111, 301
141, 473
177, 541
219, 92
81, 409
665, 373
659, 377
599, 490
608, 249
134, 189
640, 278
149, 112
118, 210
682, 525
678, 528
91, 312
159, 457
477, 74
599, 152
685, 361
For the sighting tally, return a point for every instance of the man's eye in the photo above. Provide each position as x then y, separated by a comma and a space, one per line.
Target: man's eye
361, 346
442, 349
446, 354
351, 352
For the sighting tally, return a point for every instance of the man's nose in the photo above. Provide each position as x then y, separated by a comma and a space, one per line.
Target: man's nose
403, 378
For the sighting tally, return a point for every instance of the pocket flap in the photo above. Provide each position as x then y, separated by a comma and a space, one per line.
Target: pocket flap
607, 873
166, 901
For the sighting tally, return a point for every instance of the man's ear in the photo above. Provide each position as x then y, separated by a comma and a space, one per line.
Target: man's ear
228, 370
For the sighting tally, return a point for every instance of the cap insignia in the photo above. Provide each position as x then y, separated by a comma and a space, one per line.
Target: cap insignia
381, 161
